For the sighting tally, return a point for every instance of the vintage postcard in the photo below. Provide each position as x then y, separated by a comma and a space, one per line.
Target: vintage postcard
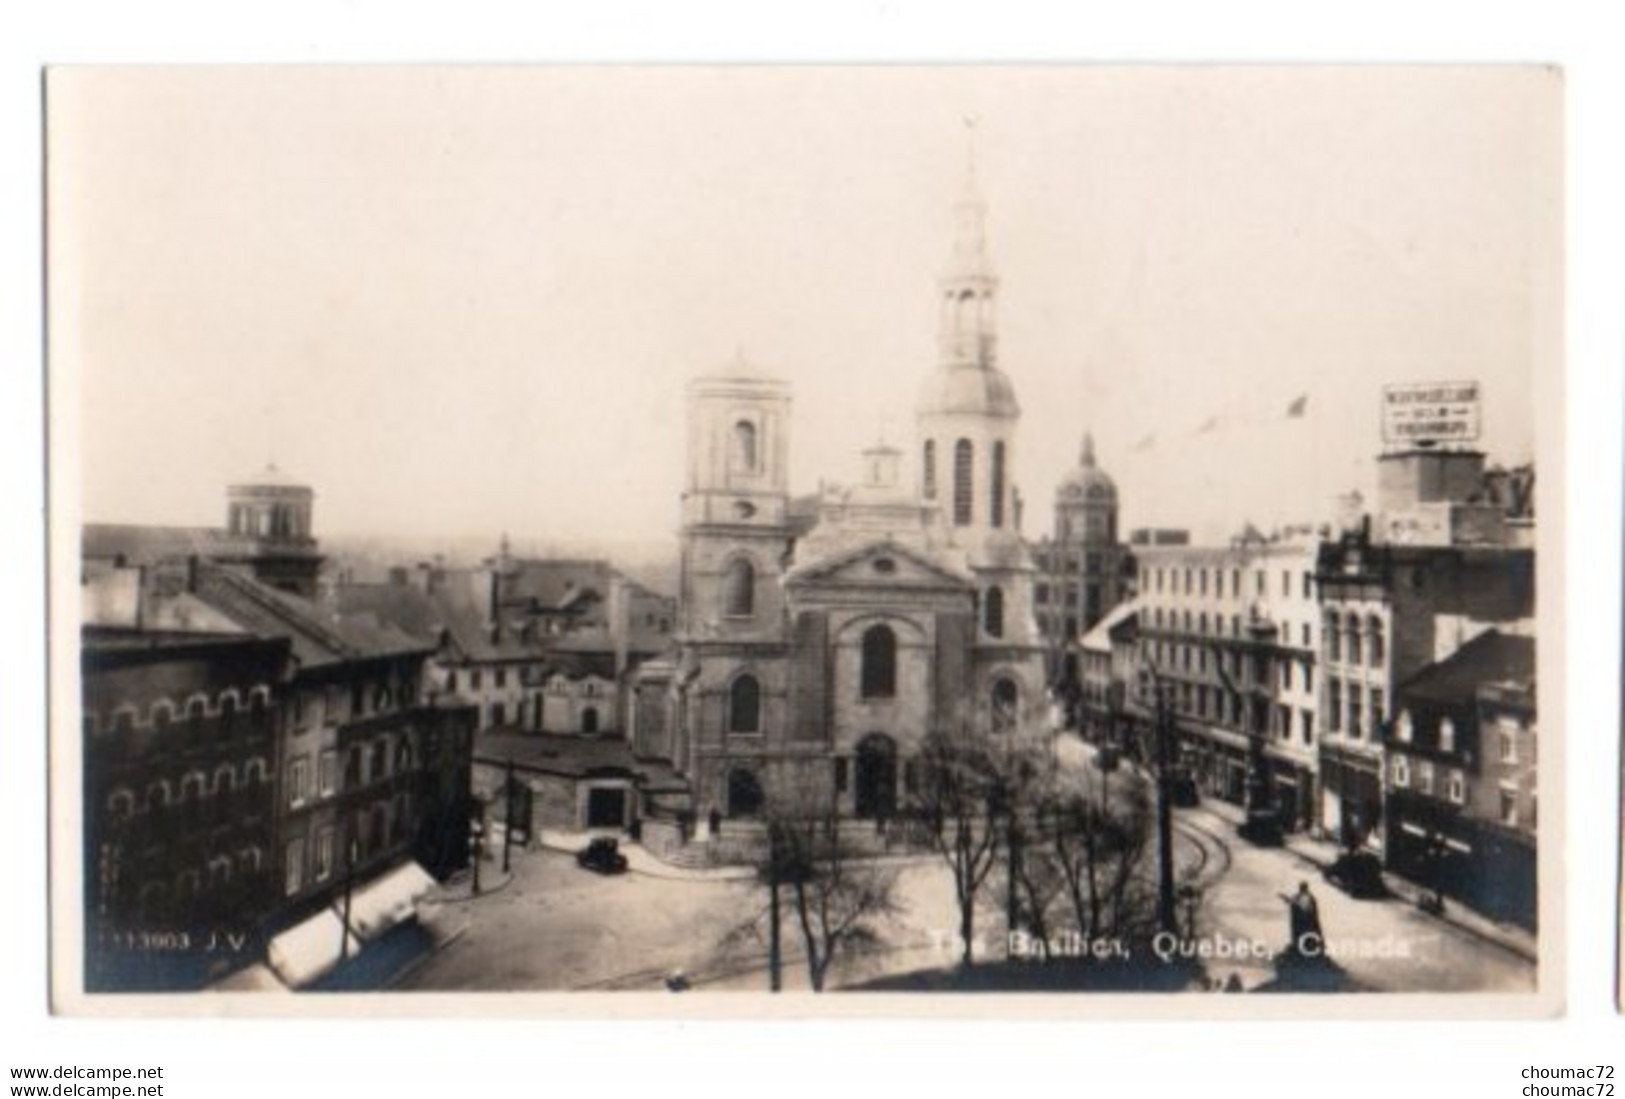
585, 539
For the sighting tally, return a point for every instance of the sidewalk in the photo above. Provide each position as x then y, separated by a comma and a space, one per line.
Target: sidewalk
1321, 853
641, 861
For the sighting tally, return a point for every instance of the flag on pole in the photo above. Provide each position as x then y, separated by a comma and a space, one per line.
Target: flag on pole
1297, 408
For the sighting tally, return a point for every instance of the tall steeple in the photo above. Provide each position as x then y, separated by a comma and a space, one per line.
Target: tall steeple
967, 335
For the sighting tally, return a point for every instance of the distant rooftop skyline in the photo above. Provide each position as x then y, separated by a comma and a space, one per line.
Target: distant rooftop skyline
458, 302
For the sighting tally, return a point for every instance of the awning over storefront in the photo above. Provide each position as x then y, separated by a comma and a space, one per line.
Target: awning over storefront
305, 951
387, 901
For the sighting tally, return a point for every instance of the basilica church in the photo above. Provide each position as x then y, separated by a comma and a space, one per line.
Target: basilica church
816, 653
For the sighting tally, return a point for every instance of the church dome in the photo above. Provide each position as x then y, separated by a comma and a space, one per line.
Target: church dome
1088, 481
271, 478
974, 390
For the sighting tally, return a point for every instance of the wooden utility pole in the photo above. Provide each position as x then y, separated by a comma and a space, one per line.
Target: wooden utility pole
1167, 917
775, 960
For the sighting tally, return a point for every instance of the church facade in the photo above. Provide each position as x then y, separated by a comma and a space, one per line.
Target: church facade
813, 662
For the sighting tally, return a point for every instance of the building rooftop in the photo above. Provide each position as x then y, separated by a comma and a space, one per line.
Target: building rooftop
1491, 658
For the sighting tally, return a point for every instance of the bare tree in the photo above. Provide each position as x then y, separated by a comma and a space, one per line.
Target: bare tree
1100, 849
961, 798
838, 895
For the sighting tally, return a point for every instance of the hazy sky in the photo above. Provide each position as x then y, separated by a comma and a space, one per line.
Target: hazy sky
466, 300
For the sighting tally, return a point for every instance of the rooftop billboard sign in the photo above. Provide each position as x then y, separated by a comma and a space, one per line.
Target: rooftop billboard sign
1430, 412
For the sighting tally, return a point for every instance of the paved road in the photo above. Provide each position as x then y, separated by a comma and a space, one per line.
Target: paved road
557, 927
1380, 945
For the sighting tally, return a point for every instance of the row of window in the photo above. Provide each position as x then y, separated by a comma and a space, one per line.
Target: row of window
1402, 776
1175, 656
363, 764
320, 706
218, 872
499, 677
1195, 581
964, 464
163, 712
877, 679
372, 829
1347, 711
1206, 702
1200, 624
1506, 736
1342, 636
123, 804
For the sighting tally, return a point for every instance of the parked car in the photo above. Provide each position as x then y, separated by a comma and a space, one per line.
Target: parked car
602, 855
1182, 789
1359, 874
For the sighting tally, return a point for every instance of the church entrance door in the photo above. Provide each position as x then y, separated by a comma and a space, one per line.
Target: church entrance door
877, 777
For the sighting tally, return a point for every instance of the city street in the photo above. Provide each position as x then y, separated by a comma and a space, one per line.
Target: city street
553, 926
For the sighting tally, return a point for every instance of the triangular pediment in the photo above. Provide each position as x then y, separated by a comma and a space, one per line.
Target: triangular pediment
879, 564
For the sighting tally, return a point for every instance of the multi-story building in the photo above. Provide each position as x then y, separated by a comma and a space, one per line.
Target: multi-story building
179, 757
1106, 677
516, 638
1084, 570
363, 780
1387, 612
1233, 632
1461, 765
1441, 562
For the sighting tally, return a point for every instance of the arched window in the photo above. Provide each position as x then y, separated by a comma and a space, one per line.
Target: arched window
254, 773
878, 678
964, 461
192, 786
158, 795
996, 489
121, 804
739, 589
219, 871
993, 612
745, 705
928, 478
163, 715
745, 456
1006, 704
225, 779
589, 719
1374, 641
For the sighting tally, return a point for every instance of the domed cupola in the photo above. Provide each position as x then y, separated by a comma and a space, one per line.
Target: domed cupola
1087, 483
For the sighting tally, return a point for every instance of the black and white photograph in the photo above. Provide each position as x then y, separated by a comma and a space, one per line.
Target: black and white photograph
655, 532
